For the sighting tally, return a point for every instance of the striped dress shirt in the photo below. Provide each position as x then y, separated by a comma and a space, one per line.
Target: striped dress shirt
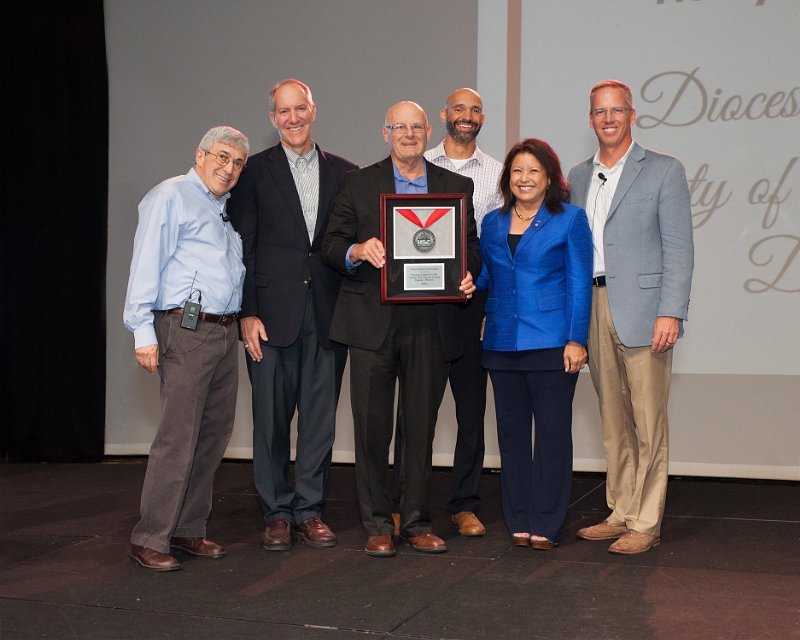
305, 171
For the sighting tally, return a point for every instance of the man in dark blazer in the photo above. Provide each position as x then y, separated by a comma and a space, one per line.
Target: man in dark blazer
281, 208
638, 205
413, 342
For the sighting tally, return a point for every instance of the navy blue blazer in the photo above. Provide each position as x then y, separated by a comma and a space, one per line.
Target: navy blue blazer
280, 261
542, 296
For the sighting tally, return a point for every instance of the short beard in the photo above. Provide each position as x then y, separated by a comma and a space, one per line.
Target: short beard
460, 136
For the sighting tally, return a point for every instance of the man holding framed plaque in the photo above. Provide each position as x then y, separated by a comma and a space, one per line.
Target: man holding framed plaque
458, 152
414, 341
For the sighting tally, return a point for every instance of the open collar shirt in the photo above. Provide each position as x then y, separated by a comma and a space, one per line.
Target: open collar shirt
182, 247
598, 204
485, 174
305, 171
403, 186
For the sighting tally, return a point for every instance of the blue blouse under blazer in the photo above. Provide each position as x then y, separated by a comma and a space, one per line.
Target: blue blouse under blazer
542, 296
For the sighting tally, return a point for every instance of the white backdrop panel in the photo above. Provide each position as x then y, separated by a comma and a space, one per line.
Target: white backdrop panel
178, 68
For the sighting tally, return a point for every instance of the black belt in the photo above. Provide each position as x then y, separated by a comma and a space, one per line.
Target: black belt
206, 317
599, 281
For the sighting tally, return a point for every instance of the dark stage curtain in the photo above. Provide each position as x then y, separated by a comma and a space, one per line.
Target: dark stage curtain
53, 239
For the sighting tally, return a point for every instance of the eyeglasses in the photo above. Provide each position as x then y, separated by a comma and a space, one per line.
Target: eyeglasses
401, 129
615, 111
223, 160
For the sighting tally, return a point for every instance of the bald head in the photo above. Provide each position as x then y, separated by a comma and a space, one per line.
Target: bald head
406, 107
465, 96
463, 116
408, 143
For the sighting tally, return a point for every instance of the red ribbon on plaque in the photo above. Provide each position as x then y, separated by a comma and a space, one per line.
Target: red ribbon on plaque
423, 240
409, 215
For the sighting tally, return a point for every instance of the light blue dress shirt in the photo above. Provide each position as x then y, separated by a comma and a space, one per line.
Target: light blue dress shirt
401, 185
182, 246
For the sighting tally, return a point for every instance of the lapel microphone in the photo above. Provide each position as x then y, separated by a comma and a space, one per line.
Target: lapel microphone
602, 176
225, 217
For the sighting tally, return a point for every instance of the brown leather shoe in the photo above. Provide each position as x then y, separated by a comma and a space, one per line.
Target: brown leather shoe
634, 542
427, 543
396, 519
380, 546
315, 533
152, 559
543, 545
603, 531
198, 547
277, 536
468, 524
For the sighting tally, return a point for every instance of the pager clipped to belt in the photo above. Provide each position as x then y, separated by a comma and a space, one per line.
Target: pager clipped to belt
191, 312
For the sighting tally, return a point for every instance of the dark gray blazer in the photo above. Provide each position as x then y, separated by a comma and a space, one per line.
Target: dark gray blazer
360, 320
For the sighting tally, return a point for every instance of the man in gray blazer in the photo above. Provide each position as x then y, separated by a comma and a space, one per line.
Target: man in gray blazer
639, 210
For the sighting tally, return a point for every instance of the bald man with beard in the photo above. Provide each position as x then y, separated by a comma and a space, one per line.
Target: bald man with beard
414, 343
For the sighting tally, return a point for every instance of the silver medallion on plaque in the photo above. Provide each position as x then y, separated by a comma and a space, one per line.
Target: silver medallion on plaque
424, 240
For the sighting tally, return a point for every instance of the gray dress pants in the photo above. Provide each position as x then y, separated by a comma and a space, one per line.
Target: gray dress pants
199, 380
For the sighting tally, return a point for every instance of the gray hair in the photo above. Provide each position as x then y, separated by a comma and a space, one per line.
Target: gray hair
613, 84
225, 135
302, 86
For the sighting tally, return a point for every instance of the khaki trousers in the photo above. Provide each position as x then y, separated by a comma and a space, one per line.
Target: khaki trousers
632, 387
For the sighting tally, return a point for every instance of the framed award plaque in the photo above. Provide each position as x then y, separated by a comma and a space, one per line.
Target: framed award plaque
425, 238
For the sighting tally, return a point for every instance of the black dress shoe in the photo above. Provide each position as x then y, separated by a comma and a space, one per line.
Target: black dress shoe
153, 560
277, 536
198, 547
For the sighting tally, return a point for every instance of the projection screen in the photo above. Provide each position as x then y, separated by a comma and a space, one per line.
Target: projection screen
715, 82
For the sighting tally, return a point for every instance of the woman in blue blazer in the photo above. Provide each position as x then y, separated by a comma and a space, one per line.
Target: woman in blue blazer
537, 264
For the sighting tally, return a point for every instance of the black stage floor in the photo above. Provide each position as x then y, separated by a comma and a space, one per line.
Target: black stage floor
728, 567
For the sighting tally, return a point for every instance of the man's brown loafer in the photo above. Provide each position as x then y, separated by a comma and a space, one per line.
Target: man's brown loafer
277, 536
634, 542
603, 531
427, 543
315, 533
468, 524
380, 546
153, 560
198, 547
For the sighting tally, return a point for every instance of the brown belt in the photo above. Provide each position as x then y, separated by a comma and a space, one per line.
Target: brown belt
206, 317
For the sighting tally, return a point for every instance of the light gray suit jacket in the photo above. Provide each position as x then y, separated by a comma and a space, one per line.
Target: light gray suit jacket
649, 253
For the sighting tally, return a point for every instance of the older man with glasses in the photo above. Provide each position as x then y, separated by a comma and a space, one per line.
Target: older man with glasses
184, 292
412, 342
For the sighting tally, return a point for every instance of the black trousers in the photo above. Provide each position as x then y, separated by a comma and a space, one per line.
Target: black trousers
468, 386
412, 354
